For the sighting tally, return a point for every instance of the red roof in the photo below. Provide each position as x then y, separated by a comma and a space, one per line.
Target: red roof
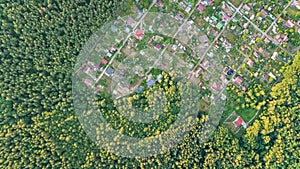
201, 85
201, 7
159, 3
210, 2
139, 33
104, 61
226, 17
149, 41
239, 80
238, 121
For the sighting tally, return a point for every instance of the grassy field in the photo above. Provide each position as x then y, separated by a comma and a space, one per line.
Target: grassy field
236, 2
247, 114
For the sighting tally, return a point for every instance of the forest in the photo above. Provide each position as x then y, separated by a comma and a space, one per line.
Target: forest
40, 41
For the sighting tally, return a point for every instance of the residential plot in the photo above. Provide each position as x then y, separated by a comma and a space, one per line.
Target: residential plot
263, 13
286, 31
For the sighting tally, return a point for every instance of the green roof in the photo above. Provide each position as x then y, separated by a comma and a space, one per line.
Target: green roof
219, 25
214, 18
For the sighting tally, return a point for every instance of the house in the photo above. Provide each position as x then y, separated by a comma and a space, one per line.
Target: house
198, 72
205, 64
272, 75
219, 25
214, 18
158, 46
217, 46
159, 77
244, 88
239, 121
261, 50
201, 7
108, 54
109, 71
267, 41
297, 3
159, 3
150, 83
290, 23
238, 80
214, 32
208, 2
139, 34
188, 9
246, 7
264, 13
233, 27
179, 17
139, 89
226, 18
223, 97
113, 48
281, 38
256, 55
245, 25
201, 85
243, 47
182, 5
250, 63
265, 77
228, 71
149, 41
97, 66
104, 61
131, 22
275, 54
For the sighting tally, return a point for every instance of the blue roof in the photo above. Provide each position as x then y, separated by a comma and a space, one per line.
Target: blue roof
140, 89
150, 83
110, 71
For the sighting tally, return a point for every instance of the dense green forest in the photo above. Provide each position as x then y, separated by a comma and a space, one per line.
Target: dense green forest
40, 41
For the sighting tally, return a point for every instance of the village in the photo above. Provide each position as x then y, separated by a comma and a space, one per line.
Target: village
233, 50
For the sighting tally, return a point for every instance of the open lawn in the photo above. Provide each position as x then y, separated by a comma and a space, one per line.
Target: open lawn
236, 3
247, 113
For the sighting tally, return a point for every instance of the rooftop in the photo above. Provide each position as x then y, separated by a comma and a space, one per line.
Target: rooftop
150, 83
239, 121
110, 71
104, 61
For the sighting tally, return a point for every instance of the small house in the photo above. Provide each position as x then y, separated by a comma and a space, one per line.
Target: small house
199, 72
158, 46
150, 83
239, 122
139, 34
290, 23
250, 63
139, 89
109, 71
219, 25
246, 7
104, 61
201, 7
238, 80
264, 13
